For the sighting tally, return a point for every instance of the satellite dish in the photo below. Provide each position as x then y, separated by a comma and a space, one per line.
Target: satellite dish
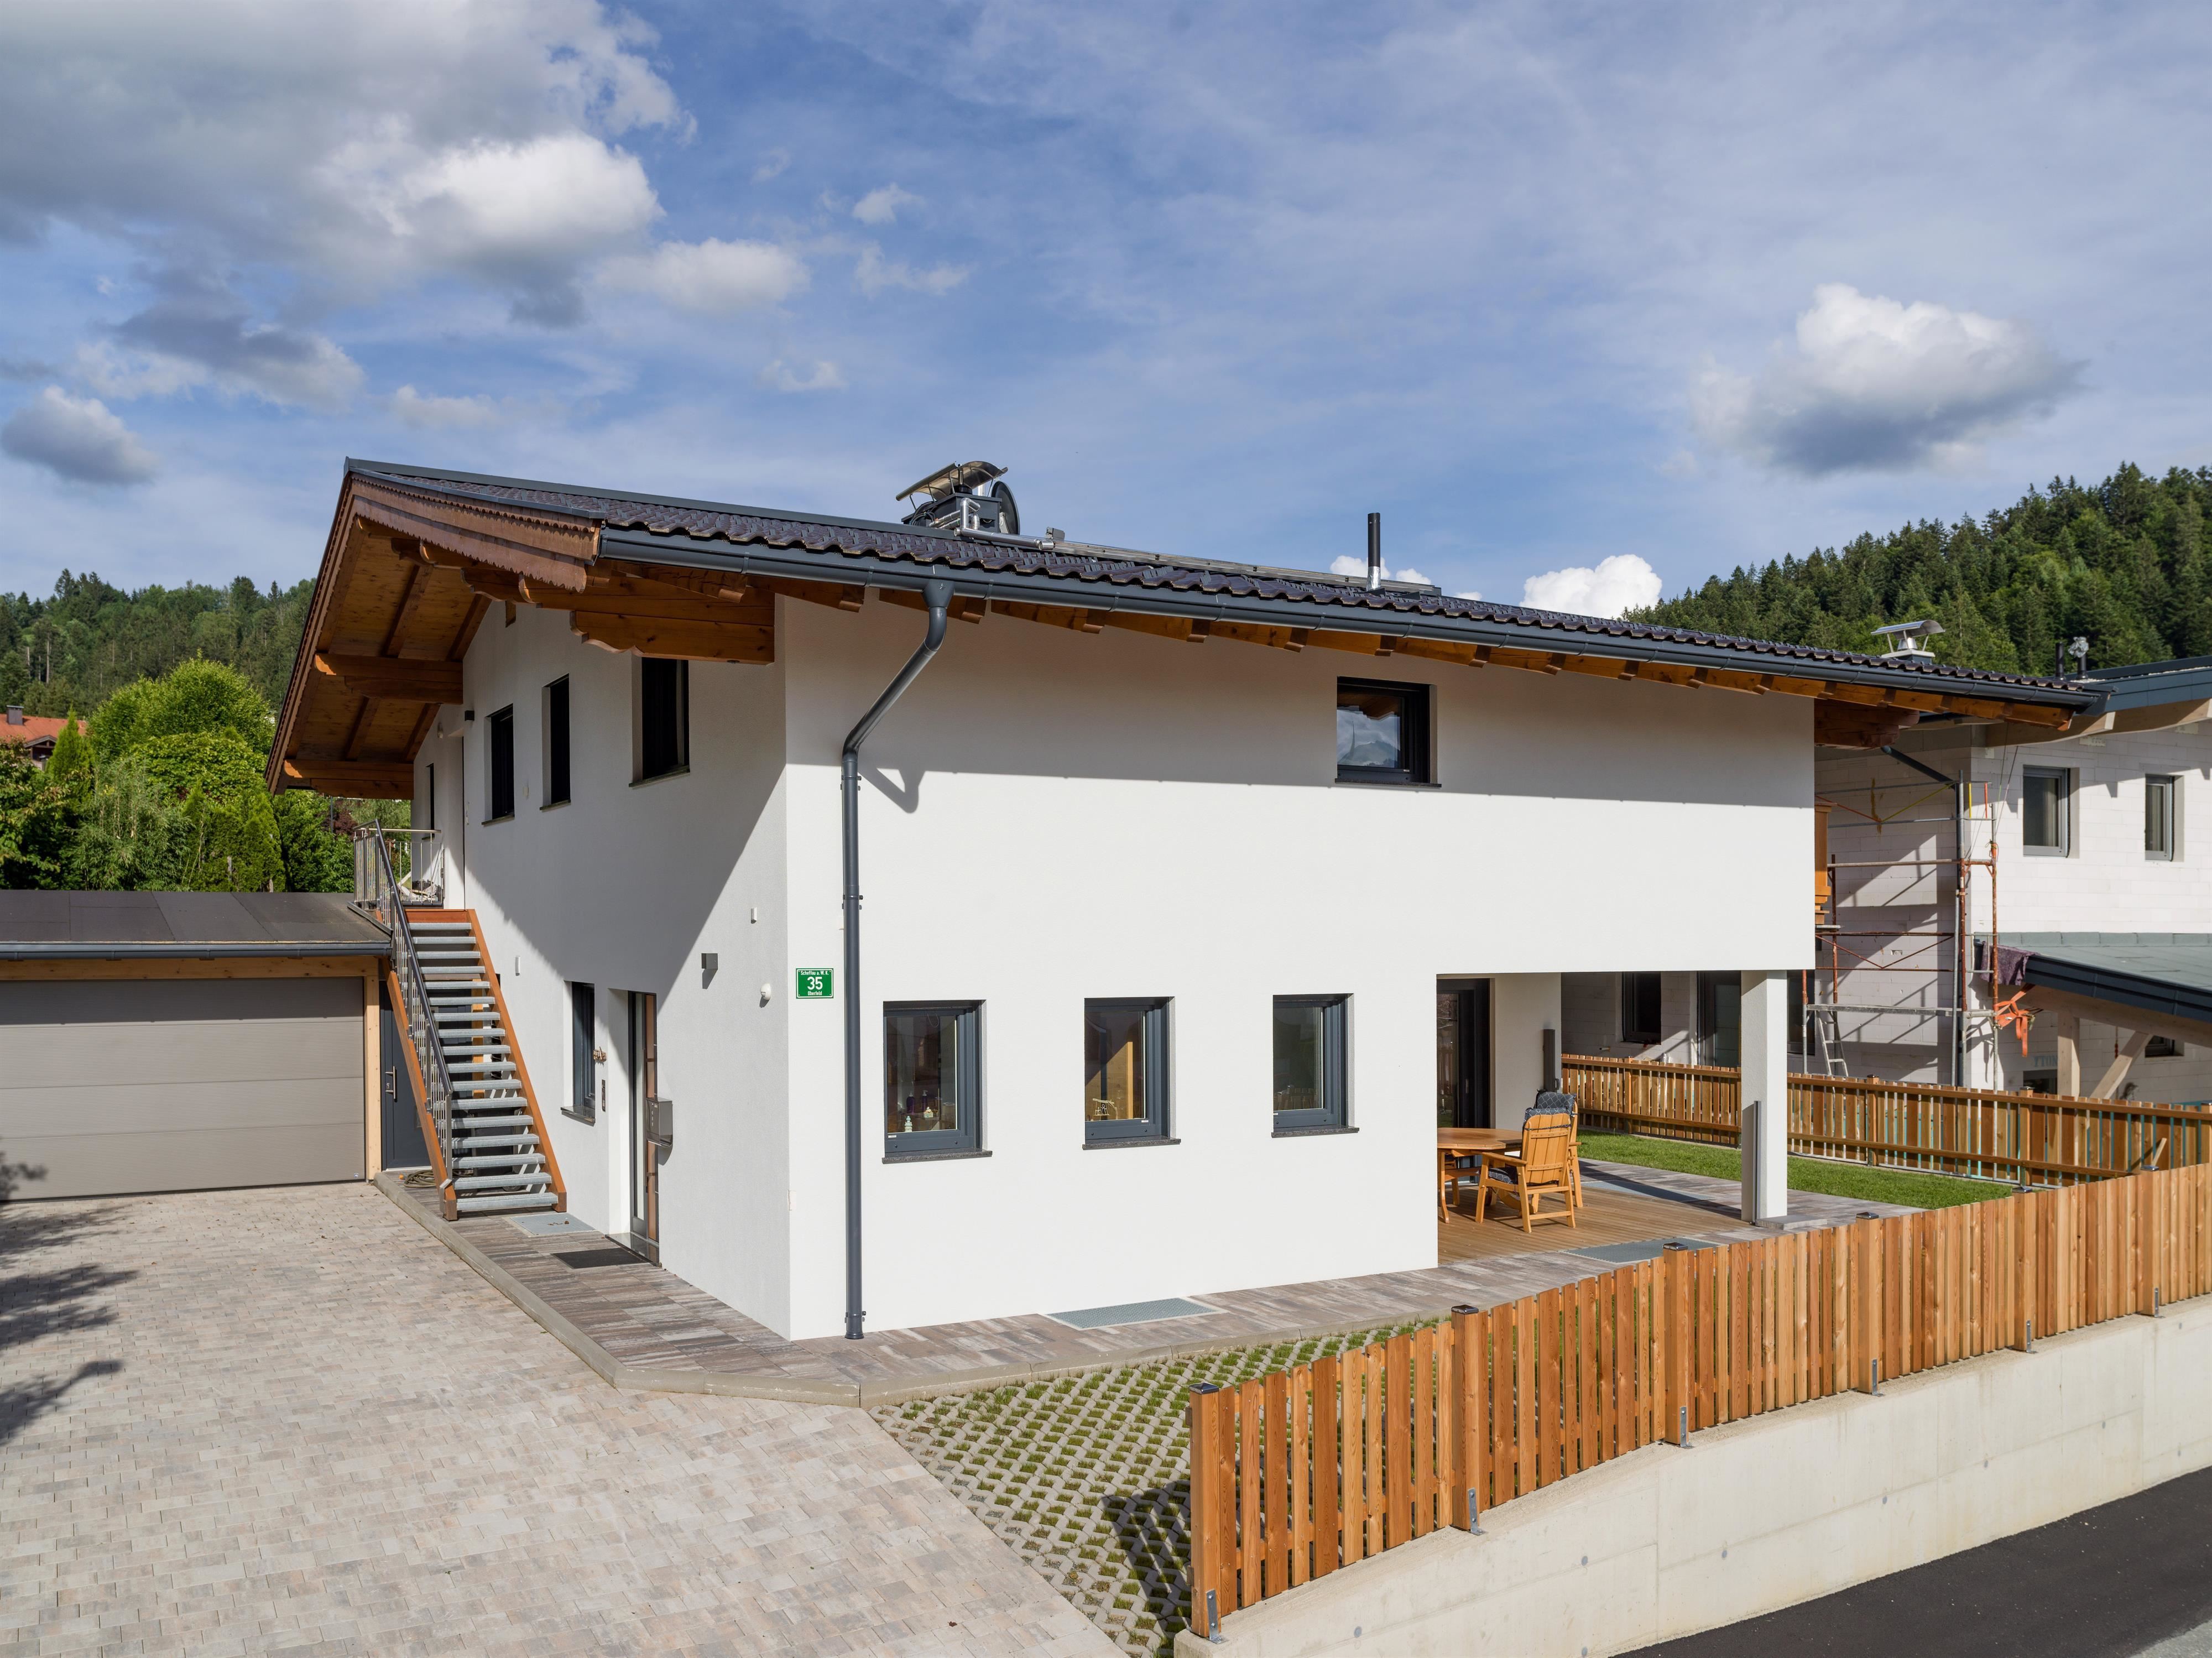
1010, 518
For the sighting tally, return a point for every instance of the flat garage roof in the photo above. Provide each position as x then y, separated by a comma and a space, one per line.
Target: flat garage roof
100, 925
2158, 972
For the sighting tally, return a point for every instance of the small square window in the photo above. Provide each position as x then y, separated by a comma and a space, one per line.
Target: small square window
2162, 817
933, 1073
2045, 807
500, 738
1125, 1070
1382, 732
583, 1056
1309, 1061
556, 743
1639, 1008
664, 712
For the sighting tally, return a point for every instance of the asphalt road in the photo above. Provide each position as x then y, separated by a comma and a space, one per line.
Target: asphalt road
2133, 1577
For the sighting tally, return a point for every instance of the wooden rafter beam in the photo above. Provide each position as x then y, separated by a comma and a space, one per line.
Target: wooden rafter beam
1160, 626
374, 779
698, 641
400, 679
1857, 726
358, 737
1075, 618
420, 581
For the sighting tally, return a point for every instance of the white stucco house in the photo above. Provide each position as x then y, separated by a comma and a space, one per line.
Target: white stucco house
1196, 892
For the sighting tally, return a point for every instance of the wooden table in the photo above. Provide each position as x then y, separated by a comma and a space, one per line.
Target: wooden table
1453, 1142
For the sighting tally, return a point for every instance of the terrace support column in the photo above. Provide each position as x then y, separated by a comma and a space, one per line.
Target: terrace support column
1766, 1096
2069, 1055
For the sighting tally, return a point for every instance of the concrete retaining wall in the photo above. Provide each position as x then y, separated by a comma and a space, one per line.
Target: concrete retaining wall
1780, 1508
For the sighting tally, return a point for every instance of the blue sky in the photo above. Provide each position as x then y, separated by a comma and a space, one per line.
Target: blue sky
1674, 287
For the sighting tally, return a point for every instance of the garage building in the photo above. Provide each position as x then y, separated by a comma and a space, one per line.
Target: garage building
163, 1041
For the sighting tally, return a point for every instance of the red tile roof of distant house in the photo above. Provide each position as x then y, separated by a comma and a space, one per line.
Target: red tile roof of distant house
37, 731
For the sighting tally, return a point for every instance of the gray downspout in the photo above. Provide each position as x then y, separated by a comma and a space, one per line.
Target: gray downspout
937, 595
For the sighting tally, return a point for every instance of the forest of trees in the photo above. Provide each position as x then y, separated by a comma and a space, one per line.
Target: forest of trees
159, 785
2122, 563
74, 650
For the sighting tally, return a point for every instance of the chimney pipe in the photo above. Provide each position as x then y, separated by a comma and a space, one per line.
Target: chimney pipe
1374, 552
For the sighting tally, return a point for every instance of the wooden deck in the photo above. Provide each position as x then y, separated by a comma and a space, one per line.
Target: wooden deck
1606, 1217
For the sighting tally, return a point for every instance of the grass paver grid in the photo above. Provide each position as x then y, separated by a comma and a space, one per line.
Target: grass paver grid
1087, 1477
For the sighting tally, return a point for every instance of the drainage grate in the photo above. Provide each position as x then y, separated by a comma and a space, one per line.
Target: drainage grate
1621, 1254
608, 1257
1135, 1312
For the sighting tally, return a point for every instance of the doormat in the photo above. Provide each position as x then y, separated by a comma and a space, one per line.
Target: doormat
613, 1255
1135, 1312
549, 1223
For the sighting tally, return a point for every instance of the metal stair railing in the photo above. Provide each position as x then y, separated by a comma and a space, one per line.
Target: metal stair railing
414, 994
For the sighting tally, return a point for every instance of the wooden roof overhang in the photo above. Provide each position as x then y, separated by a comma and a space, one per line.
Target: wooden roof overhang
416, 557
408, 576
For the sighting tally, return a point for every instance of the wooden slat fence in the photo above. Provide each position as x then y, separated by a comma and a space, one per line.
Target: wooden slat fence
1300, 1472
2026, 1138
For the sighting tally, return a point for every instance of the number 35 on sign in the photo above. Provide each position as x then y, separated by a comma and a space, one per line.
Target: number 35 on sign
815, 983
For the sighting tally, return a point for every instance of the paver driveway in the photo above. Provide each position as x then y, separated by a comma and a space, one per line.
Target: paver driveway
289, 1421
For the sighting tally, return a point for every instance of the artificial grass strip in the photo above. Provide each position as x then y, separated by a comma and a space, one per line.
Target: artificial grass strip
1838, 1179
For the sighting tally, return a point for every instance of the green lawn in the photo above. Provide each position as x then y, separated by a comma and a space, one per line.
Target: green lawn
1840, 1180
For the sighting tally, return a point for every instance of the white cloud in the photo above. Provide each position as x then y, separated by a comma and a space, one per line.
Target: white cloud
881, 206
1875, 386
1623, 582
874, 273
413, 408
779, 376
1470, 593
79, 439
1345, 564
772, 164
474, 138
711, 277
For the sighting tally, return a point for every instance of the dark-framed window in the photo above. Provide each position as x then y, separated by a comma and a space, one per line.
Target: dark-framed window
664, 717
1125, 1070
2046, 810
1639, 1009
557, 742
1311, 1085
1720, 1018
1382, 732
430, 797
2162, 817
583, 1050
932, 1078
499, 737
2163, 1048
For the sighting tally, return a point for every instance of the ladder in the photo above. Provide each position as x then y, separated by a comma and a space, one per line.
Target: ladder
497, 1156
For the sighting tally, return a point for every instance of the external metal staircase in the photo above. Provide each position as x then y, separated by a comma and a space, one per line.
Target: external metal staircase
486, 1139
498, 1157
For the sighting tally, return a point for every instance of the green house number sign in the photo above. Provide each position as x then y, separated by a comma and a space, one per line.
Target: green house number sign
815, 983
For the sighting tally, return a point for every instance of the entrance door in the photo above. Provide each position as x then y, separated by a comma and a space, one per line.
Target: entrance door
404, 1147
644, 1154
1463, 1053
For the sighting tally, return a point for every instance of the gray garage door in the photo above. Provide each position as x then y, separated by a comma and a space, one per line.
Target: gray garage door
114, 1086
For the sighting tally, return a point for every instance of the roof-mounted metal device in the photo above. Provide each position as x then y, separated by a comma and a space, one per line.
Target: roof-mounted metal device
951, 500
1905, 641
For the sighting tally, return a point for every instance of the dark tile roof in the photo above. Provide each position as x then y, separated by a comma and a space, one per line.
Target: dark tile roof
1362, 609
100, 923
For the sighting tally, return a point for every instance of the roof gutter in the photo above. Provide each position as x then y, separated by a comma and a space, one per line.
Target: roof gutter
2106, 984
1104, 597
937, 595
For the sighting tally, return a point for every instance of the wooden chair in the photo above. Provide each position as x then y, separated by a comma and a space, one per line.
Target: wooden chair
1547, 1163
1449, 1167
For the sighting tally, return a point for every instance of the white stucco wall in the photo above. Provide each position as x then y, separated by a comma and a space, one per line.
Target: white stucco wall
623, 889
1050, 816
1123, 816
